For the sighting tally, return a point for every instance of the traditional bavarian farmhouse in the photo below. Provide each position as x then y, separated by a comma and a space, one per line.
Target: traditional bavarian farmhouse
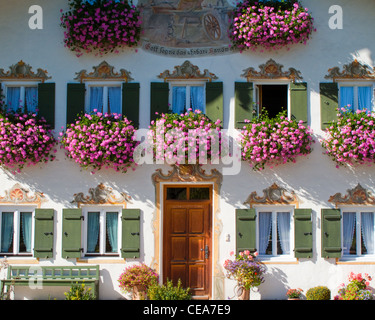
80, 214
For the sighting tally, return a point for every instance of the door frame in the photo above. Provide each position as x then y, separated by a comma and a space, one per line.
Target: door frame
191, 174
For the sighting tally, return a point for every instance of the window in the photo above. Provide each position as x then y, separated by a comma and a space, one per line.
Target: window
24, 97
356, 96
358, 230
185, 96
104, 98
275, 232
16, 231
271, 98
102, 232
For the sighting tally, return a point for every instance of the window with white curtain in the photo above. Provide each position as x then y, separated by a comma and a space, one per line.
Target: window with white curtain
275, 232
358, 232
104, 98
102, 231
16, 231
21, 96
354, 96
185, 96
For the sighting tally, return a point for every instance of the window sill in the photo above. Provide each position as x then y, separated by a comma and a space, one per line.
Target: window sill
20, 259
101, 260
278, 260
356, 260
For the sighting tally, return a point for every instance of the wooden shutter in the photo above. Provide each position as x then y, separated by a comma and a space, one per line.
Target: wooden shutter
130, 102
303, 246
331, 233
131, 233
44, 233
72, 237
46, 102
329, 102
243, 107
298, 102
75, 101
245, 230
159, 98
214, 101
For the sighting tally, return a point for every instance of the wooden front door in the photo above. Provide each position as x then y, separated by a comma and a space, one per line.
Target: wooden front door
187, 240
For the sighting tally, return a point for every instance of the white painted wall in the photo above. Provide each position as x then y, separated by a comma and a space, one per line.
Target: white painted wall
314, 178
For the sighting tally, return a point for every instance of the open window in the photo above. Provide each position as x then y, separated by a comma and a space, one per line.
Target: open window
271, 99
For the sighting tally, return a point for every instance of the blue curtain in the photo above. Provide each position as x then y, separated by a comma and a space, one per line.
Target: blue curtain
13, 98
96, 99
7, 231
92, 231
197, 99
31, 97
114, 100
348, 225
26, 229
347, 98
283, 226
367, 223
364, 98
178, 99
112, 229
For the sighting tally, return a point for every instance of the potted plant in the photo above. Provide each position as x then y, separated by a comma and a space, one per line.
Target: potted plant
186, 138
99, 141
269, 24
318, 293
247, 271
79, 292
351, 139
137, 279
273, 141
168, 291
357, 288
294, 294
100, 25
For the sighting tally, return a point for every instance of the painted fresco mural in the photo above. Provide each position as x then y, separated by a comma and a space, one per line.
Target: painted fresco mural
186, 27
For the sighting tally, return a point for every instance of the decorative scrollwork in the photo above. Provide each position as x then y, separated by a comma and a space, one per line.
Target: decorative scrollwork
20, 195
22, 71
354, 70
355, 196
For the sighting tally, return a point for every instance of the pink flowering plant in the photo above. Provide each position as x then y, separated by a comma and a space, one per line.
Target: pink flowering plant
358, 288
186, 138
351, 139
99, 141
25, 140
245, 269
100, 25
269, 24
273, 141
294, 293
137, 275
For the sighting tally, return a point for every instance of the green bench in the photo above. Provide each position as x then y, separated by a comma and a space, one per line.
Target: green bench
52, 276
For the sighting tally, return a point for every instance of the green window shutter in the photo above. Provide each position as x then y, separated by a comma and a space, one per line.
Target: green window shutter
214, 101
71, 237
298, 102
159, 98
46, 102
245, 230
44, 233
75, 101
130, 102
243, 93
303, 246
329, 102
131, 233
331, 233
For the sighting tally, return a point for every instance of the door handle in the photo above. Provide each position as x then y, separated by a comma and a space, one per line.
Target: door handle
205, 249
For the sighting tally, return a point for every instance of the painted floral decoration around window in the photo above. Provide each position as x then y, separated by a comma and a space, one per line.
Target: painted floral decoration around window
351, 139
269, 24
97, 141
100, 26
25, 140
272, 141
186, 138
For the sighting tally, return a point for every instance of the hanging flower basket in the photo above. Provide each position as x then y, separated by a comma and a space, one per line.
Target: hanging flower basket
275, 141
269, 24
187, 138
351, 139
100, 25
25, 140
99, 141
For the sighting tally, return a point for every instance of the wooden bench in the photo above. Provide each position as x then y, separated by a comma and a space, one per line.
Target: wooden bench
52, 276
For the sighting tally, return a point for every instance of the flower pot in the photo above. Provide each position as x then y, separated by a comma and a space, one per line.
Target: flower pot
243, 294
294, 299
139, 293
